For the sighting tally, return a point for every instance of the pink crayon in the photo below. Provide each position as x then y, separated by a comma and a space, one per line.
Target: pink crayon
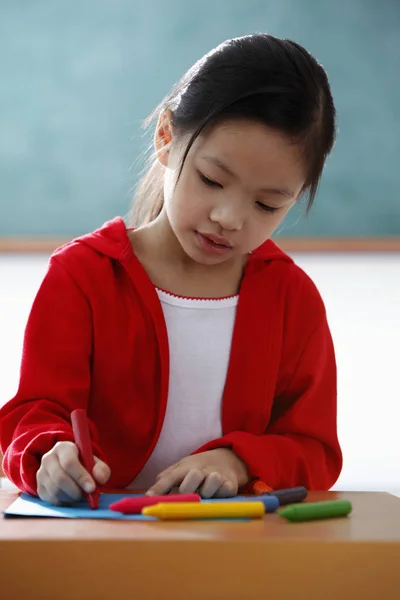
133, 505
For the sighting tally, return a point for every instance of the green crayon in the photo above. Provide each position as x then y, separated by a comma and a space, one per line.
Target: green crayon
310, 511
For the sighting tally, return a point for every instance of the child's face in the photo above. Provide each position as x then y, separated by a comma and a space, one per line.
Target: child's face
230, 174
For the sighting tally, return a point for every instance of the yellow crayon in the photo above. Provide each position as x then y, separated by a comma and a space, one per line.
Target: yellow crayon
206, 510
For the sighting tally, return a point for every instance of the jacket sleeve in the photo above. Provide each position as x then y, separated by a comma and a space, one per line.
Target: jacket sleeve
54, 379
300, 445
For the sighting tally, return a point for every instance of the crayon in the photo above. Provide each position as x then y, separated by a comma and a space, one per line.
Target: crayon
259, 487
289, 495
134, 505
316, 510
271, 503
206, 510
80, 428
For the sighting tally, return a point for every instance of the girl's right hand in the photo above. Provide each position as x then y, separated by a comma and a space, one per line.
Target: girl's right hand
61, 478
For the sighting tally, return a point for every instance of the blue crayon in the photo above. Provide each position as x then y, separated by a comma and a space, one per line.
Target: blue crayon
271, 503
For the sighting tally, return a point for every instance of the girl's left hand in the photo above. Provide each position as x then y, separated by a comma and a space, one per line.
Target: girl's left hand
219, 473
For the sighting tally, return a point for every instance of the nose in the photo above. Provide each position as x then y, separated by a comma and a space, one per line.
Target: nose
228, 214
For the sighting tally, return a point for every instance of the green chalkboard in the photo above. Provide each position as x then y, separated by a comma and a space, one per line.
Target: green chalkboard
78, 78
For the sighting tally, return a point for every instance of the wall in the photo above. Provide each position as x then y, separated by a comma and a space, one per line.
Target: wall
79, 78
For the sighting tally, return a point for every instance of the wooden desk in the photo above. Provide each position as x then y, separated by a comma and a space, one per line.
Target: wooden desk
350, 558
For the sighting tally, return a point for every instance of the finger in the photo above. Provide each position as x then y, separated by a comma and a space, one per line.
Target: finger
101, 472
166, 481
50, 492
69, 491
44, 495
168, 471
211, 485
192, 481
227, 490
41, 480
69, 461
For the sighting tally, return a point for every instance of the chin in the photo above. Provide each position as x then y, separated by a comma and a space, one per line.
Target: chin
201, 259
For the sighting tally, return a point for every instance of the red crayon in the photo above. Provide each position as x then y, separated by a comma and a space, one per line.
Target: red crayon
80, 427
259, 488
134, 505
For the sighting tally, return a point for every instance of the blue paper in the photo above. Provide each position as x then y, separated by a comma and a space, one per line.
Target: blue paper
30, 506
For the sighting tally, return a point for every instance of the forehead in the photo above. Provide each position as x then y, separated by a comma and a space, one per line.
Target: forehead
252, 150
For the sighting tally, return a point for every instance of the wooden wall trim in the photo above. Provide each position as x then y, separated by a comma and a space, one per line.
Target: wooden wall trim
48, 245
22, 244
340, 245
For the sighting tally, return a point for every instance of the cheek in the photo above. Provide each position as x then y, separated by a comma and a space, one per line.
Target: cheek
264, 226
276, 219
170, 176
178, 207
185, 199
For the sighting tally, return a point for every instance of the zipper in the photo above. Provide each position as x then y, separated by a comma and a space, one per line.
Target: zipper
140, 279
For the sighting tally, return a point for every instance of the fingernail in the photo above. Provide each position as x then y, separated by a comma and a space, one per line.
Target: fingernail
89, 487
150, 493
102, 479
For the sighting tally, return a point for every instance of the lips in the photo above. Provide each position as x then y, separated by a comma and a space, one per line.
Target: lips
210, 243
217, 239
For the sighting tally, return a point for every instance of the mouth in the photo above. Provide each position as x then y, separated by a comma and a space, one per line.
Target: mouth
213, 244
217, 239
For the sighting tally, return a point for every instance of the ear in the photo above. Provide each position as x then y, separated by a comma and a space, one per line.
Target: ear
163, 136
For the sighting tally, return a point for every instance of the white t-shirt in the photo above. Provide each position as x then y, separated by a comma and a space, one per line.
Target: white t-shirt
200, 336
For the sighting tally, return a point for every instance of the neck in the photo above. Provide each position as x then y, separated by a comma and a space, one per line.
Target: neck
168, 266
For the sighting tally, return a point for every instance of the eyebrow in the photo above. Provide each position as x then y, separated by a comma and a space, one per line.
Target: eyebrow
213, 160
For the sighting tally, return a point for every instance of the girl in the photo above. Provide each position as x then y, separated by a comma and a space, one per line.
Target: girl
200, 350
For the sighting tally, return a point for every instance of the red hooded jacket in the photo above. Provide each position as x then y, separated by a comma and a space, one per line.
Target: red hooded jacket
96, 339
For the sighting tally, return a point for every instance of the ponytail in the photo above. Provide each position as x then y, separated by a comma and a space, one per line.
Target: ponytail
149, 196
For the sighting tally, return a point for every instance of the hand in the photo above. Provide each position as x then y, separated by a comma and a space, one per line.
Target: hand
61, 479
218, 473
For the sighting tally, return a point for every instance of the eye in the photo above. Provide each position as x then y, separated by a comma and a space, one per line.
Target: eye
266, 208
209, 182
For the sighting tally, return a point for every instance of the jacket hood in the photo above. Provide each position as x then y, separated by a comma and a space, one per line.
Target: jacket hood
112, 240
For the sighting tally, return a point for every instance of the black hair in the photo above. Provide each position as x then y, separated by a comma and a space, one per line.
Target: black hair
256, 77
